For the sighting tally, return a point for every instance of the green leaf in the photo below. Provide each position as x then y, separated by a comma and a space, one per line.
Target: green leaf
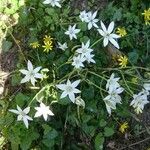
99, 141
20, 99
6, 46
108, 131
82, 26
102, 123
133, 57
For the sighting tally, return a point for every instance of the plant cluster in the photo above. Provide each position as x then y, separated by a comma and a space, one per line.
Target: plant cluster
82, 74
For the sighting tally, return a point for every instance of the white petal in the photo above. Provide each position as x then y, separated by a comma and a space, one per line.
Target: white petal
89, 25
61, 86
75, 83
58, 5
37, 69
25, 79
94, 15
110, 27
103, 27
46, 2
28, 117
102, 33
64, 94
25, 122
50, 113
38, 75
45, 117
76, 91
14, 111
19, 117
72, 97
105, 42
19, 109
23, 71
33, 80
30, 66
115, 36
37, 114
114, 42
26, 110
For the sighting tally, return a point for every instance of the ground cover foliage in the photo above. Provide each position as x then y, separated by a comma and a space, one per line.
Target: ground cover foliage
81, 79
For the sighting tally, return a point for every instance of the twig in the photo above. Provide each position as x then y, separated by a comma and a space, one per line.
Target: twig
135, 143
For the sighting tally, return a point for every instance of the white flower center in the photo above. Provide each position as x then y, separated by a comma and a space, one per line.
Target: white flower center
69, 89
84, 50
31, 74
22, 113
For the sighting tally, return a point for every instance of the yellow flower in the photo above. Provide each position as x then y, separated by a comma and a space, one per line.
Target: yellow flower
123, 60
48, 39
48, 46
123, 127
35, 44
147, 16
121, 32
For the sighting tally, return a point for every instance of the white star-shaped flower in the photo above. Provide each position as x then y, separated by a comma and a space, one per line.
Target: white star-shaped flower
138, 102
83, 16
53, 3
69, 89
85, 49
78, 61
112, 99
108, 35
44, 111
112, 83
62, 46
91, 20
31, 74
72, 31
89, 58
22, 115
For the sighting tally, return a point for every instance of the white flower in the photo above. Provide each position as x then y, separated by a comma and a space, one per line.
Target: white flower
91, 20
22, 115
83, 16
69, 89
85, 49
112, 99
146, 86
138, 102
62, 46
72, 32
112, 83
110, 104
53, 3
108, 35
31, 74
44, 111
78, 61
89, 58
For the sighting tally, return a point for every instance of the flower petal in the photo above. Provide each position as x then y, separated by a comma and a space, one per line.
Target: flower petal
110, 27
75, 83
26, 110
103, 27
25, 122
114, 42
30, 66
72, 97
105, 42
23, 71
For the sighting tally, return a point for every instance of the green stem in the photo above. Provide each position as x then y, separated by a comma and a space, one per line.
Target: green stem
96, 42
89, 82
